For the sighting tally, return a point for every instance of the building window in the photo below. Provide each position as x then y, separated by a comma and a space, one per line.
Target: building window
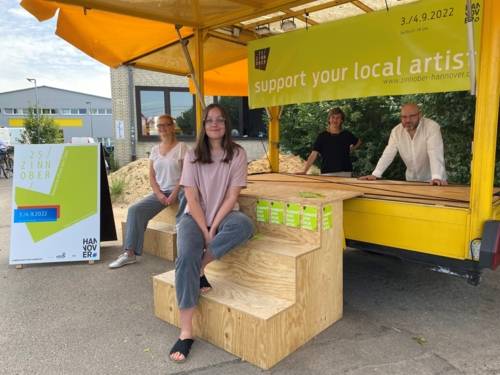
74, 111
245, 122
82, 111
109, 111
10, 111
154, 101
65, 111
101, 111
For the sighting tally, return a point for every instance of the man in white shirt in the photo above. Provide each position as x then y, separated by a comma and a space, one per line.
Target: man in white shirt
419, 143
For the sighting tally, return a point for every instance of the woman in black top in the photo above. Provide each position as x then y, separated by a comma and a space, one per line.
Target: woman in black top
334, 145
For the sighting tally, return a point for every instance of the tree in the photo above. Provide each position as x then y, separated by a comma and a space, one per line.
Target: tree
40, 129
186, 121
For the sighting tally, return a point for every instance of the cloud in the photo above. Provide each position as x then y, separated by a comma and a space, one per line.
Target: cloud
19, 12
31, 49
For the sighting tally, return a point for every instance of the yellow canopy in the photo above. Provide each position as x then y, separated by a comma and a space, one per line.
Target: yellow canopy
105, 31
142, 33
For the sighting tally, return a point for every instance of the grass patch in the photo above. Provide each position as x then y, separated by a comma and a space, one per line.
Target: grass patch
116, 188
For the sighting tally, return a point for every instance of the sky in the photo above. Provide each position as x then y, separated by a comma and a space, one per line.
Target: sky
30, 48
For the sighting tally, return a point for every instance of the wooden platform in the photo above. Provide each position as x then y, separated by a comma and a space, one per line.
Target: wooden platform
160, 239
273, 294
418, 192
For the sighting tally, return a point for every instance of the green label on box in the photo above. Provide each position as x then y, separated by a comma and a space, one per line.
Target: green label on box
327, 217
293, 213
263, 211
310, 218
277, 212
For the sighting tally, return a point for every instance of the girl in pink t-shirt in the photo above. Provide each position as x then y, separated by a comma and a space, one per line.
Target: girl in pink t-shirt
213, 175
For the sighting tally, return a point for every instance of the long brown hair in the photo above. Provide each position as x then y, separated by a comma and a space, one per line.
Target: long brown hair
202, 149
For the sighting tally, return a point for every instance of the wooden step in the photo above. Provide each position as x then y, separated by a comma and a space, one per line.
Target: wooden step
160, 239
266, 264
234, 296
167, 215
237, 319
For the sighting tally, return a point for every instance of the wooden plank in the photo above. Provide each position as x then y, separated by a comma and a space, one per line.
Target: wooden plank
160, 240
450, 195
282, 233
167, 215
265, 264
237, 297
263, 188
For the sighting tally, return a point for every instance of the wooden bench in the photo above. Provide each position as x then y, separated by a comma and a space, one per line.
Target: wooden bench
273, 294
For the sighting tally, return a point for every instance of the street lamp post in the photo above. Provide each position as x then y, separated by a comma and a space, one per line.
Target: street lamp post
91, 124
37, 110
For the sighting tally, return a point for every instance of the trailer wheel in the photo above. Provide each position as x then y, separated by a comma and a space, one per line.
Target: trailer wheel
474, 277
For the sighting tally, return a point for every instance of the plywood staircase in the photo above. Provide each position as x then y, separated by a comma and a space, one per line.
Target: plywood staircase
276, 292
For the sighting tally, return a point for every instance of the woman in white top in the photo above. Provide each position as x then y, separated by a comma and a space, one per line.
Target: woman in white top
165, 168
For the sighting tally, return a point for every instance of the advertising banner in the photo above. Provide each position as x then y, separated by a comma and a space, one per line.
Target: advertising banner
420, 47
55, 204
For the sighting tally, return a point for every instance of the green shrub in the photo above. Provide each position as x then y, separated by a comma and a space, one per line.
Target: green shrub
40, 129
116, 188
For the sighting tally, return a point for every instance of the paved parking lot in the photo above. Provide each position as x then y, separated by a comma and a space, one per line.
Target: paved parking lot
399, 318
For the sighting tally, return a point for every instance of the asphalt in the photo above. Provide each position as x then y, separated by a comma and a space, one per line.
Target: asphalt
399, 318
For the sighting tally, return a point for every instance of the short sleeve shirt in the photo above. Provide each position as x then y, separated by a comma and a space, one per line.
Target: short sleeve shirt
335, 151
168, 167
214, 179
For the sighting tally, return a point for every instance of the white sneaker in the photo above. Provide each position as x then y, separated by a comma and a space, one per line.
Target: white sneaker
123, 260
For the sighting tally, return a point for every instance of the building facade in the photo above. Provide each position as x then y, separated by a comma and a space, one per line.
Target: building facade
76, 113
139, 96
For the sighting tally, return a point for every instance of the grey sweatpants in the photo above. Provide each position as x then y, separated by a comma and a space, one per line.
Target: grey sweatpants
140, 213
235, 229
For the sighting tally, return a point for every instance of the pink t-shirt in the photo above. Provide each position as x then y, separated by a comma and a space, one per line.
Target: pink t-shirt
213, 180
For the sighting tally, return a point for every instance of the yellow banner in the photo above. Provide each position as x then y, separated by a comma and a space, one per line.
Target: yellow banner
415, 48
18, 122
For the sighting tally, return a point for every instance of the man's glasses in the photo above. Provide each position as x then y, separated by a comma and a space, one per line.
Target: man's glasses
216, 121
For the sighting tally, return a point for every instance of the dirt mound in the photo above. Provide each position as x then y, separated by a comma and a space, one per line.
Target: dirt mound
288, 164
134, 181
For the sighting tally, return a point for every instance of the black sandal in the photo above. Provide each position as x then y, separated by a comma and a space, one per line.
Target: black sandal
183, 347
204, 283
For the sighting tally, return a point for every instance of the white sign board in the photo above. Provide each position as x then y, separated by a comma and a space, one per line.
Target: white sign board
55, 204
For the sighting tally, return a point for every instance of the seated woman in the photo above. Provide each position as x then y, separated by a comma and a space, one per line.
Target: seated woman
213, 176
165, 165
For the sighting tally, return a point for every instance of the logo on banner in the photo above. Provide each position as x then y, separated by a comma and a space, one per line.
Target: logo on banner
261, 57
89, 246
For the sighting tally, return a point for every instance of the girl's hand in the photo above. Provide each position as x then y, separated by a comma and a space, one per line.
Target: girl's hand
171, 199
208, 236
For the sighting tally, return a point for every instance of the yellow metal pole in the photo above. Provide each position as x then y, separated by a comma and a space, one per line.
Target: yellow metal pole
199, 76
485, 129
274, 138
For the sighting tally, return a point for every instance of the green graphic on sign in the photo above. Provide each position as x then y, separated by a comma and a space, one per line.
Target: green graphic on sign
263, 211
293, 213
277, 212
327, 221
74, 191
310, 218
